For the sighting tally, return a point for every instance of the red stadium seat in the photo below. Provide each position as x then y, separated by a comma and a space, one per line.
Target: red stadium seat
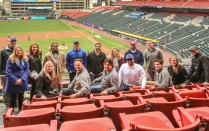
48, 99
154, 119
193, 94
108, 98
29, 117
84, 111
76, 101
197, 102
39, 104
95, 124
114, 108
38, 127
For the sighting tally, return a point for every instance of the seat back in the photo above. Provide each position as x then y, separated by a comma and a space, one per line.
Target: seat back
197, 102
40, 104
48, 99
193, 94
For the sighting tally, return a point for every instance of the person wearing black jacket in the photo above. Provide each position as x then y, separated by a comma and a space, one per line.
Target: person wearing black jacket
95, 61
199, 72
177, 72
4, 55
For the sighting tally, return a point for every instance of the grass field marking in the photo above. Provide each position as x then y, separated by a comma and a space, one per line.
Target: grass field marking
91, 39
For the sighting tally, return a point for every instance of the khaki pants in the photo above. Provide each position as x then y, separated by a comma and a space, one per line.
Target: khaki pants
6, 97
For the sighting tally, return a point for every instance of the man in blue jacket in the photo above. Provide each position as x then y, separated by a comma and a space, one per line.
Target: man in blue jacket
75, 53
138, 56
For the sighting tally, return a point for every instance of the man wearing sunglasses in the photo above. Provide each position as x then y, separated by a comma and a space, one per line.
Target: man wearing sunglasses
4, 55
131, 74
199, 72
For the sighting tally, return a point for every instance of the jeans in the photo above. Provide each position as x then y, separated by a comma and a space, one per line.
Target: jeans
96, 87
124, 87
94, 76
72, 75
68, 92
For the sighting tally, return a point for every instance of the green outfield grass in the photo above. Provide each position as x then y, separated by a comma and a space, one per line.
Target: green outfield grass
13, 28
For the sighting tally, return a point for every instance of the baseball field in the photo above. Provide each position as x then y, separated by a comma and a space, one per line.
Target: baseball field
45, 32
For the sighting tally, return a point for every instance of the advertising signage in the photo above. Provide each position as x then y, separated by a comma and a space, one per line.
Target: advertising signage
38, 18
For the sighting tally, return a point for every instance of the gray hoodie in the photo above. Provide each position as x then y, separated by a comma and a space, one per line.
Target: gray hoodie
81, 83
109, 81
163, 79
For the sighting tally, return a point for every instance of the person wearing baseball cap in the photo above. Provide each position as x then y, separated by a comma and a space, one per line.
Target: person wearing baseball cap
131, 74
138, 56
4, 55
199, 72
75, 53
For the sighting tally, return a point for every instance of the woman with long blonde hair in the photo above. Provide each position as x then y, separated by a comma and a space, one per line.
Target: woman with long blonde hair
117, 59
177, 72
44, 81
17, 69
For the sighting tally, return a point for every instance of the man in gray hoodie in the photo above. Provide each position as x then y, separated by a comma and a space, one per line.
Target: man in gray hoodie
4, 55
80, 86
109, 80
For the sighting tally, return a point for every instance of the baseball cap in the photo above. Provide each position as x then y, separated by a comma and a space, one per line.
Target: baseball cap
76, 41
132, 43
12, 38
129, 56
193, 47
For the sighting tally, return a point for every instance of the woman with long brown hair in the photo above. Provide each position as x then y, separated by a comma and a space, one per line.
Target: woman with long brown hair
117, 59
17, 69
177, 72
34, 58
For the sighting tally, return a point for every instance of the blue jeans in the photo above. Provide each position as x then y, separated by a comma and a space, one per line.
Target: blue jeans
94, 76
124, 87
96, 87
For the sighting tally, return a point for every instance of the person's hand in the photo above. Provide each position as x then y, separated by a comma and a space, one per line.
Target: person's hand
91, 73
205, 83
31, 76
93, 81
18, 82
44, 97
73, 96
183, 85
103, 93
100, 73
70, 72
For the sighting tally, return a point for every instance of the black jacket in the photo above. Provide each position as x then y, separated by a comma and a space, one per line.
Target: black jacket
95, 62
200, 68
179, 78
43, 86
4, 55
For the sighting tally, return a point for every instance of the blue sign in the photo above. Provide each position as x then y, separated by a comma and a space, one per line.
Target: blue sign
38, 18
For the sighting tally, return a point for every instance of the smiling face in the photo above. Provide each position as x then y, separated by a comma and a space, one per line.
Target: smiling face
149, 44
194, 52
115, 52
98, 47
173, 62
55, 47
12, 43
78, 66
158, 66
76, 46
107, 66
132, 46
130, 62
49, 67
34, 48
18, 52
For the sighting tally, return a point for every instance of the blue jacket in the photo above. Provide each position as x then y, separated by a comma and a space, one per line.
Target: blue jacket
72, 55
13, 73
138, 56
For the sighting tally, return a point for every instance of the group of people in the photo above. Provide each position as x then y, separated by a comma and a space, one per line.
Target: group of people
91, 73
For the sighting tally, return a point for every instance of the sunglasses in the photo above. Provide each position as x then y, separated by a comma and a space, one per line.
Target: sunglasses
192, 50
129, 59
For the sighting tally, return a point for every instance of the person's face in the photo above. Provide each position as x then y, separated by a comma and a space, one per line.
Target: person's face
173, 62
12, 43
78, 66
133, 47
158, 66
115, 52
149, 44
55, 47
49, 68
194, 52
130, 61
18, 52
98, 47
76, 46
34, 48
107, 66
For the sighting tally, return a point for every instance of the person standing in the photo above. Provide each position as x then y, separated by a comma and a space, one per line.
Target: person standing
80, 86
4, 55
58, 59
35, 65
95, 60
75, 53
138, 56
131, 74
17, 70
117, 59
199, 72
150, 55
44, 89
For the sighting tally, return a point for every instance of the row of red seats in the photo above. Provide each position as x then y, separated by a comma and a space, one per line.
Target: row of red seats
137, 101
